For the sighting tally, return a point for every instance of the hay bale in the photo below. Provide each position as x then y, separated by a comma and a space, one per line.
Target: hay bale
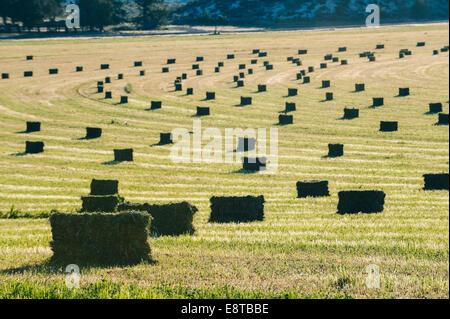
172, 219
299, 63
329, 96
141, 72
184, 76
403, 91
155, 105
237, 209
299, 76
262, 88
290, 58
171, 61
262, 54
335, 150
353, 202
107, 79
335, 59
230, 56
53, 71
28, 74
342, 49
420, 44
5, 76
378, 101
250, 71
29, 57
220, 64
137, 63
178, 87
435, 52
34, 147
33, 127
302, 52
104, 66
372, 59
379, 46
108, 95
190, 91
290, 107
312, 189
123, 99
303, 72
254, 164
102, 187
93, 132
266, 63
386, 126
210, 95
216, 69
100, 239
443, 119
199, 72
350, 114
323, 65
285, 119
246, 144
79, 69
256, 51
195, 66
203, 111
120, 76
165, 70
292, 92
401, 55
444, 49
246, 100
123, 155
254, 61
235, 78
240, 83
165, 138
435, 107
436, 181
359, 87
242, 66
100, 89
344, 62
242, 75
199, 59
326, 83
306, 79
269, 67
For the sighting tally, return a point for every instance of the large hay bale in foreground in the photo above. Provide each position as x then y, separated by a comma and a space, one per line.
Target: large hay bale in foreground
93, 132
237, 209
107, 239
435, 107
33, 127
101, 187
436, 181
312, 189
34, 147
167, 220
386, 126
353, 202
443, 119
100, 203
335, 150
123, 155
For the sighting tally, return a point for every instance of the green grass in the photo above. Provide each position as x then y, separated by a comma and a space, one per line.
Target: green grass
303, 249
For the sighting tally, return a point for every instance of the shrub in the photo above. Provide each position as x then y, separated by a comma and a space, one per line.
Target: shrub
111, 239
237, 209
167, 220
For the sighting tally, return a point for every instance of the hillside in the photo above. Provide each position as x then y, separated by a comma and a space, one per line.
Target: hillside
306, 12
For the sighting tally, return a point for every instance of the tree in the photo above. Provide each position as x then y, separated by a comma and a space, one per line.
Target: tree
152, 14
100, 13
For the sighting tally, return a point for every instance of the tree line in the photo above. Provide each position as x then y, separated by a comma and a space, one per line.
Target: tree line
94, 14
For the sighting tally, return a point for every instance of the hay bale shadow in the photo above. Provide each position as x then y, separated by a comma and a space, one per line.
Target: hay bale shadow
110, 163
246, 172
19, 154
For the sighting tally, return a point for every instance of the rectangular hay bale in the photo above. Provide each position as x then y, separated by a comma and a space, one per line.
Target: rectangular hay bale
237, 209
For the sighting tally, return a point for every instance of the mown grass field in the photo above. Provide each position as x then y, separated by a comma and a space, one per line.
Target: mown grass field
303, 249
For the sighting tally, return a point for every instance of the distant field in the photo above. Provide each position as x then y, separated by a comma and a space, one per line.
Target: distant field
303, 249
